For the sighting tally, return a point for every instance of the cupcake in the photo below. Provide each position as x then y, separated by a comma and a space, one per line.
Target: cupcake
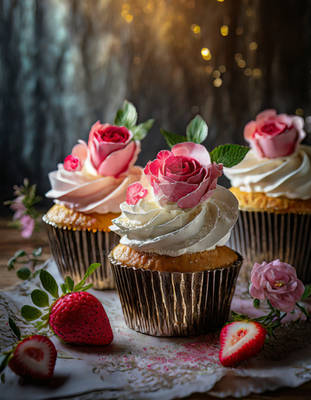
273, 187
173, 272
87, 189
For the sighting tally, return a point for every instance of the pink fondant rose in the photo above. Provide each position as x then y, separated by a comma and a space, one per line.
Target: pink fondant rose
112, 150
273, 135
135, 192
184, 175
277, 282
72, 163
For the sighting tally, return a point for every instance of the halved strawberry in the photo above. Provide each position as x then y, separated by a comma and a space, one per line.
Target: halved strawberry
239, 341
34, 357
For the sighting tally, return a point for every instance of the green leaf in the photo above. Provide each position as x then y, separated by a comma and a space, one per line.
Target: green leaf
49, 283
307, 292
4, 358
64, 288
172, 138
229, 154
126, 116
23, 273
2, 377
11, 263
37, 252
256, 303
197, 130
20, 253
87, 287
89, 271
39, 298
140, 131
30, 313
69, 283
15, 328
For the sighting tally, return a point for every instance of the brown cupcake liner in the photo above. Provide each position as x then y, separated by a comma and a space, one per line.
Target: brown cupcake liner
74, 251
175, 303
262, 236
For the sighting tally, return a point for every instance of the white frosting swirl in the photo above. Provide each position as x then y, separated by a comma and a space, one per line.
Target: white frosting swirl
88, 192
285, 176
172, 231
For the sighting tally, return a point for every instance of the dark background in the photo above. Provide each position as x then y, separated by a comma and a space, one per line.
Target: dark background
66, 63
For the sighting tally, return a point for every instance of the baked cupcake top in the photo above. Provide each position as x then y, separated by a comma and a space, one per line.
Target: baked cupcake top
95, 176
277, 164
177, 208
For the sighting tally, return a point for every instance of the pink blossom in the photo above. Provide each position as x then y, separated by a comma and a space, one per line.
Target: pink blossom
28, 225
135, 192
19, 208
273, 135
277, 282
72, 163
112, 150
184, 175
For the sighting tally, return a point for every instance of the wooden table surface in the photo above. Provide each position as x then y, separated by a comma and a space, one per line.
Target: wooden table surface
11, 240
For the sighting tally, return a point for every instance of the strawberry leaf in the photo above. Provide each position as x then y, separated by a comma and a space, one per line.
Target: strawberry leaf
15, 328
49, 283
64, 288
40, 298
256, 303
89, 271
126, 116
30, 313
2, 377
23, 273
69, 283
229, 154
20, 253
87, 287
140, 131
4, 358
172, 138
197, 130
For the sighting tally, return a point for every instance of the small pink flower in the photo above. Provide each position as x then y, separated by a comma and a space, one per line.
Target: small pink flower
18, 207
72, 163
277, 282
184, 175
112, 150
273, 135
28, 225
135, 192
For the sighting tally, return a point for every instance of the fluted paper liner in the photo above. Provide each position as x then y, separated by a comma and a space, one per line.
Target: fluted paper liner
74, 251
262, 236
175, 303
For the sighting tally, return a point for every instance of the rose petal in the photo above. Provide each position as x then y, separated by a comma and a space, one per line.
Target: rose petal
120, 161
192, 150
270, 113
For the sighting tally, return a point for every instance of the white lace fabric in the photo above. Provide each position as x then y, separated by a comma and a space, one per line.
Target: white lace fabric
137, 366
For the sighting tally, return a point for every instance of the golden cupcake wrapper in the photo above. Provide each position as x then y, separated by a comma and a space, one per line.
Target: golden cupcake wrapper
75, 250
263, 236
175, 303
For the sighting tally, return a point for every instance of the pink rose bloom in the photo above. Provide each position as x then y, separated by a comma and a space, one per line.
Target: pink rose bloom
184, 175
277, 282
273, 135
112, 150
28, 225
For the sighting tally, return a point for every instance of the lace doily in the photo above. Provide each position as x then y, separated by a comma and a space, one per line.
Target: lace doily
138, 366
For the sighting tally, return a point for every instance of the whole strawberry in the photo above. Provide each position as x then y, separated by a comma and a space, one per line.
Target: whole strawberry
33, 357
80, 318
77, 317
239, 341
